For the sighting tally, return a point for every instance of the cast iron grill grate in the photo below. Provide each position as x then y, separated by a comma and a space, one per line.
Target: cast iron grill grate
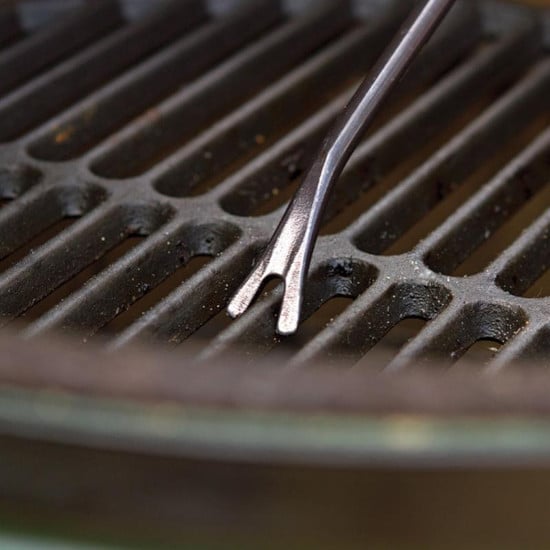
146, 156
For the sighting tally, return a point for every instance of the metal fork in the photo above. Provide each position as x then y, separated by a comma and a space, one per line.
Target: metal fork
288, 254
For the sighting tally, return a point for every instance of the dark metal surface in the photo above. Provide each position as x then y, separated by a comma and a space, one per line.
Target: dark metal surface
174, 131
145, 158
152, 144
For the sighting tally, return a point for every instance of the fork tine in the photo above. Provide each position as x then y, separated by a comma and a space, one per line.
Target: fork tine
289, 316
247, 291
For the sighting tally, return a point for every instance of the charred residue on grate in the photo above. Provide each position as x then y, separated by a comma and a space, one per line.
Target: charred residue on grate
145, 159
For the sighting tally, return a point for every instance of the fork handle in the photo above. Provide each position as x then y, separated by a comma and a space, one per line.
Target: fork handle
359, 113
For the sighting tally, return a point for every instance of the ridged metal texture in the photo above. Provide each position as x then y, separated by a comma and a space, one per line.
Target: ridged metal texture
146, 156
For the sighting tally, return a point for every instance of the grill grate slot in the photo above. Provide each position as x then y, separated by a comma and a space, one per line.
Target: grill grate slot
10, 29
386, 349
147, 159
26, 218
540, 288
479, 354
309, 328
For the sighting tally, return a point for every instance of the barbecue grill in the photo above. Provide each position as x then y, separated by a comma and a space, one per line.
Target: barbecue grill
147, 151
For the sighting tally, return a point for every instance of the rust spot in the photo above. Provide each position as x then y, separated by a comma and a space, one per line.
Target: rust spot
64, 135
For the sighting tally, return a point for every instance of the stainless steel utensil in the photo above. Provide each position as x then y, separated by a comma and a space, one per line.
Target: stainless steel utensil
289, 252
